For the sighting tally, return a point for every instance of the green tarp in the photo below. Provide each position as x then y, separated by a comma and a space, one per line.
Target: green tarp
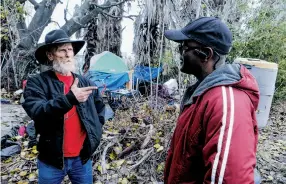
107, 62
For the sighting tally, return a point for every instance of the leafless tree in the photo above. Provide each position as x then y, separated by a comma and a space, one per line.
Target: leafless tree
150, 46
104, 33
19, 61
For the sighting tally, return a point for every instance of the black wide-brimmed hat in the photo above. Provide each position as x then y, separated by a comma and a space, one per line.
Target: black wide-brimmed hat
52, 38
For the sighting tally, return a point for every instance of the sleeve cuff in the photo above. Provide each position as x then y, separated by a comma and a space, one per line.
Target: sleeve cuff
71, 98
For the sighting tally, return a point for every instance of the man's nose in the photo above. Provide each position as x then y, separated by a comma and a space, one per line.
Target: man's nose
69, 54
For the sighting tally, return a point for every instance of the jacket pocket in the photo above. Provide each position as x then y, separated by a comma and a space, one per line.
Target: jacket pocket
50, 146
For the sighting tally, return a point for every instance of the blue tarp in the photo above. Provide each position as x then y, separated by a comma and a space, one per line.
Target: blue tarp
142, 73
112, 81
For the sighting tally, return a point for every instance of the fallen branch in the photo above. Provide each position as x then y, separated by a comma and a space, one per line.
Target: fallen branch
103, 161
111, 133
142, 159
129, 149
148, 136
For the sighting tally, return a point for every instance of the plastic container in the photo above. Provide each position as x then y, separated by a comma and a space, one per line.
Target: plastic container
171, 85
265, 73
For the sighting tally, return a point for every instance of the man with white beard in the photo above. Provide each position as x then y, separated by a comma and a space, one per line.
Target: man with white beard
68, 112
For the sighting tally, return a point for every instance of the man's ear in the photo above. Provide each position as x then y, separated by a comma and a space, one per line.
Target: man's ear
204, 53
209, 52
50, 56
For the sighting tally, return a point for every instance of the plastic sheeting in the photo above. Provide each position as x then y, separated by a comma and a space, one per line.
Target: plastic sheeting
10, 151
8, 147
109, 114
142, 73
112, 81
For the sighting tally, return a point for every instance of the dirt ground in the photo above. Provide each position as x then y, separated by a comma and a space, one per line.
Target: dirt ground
271, 154
11, 115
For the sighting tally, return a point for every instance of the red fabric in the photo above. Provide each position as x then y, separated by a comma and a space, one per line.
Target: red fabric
24, 83
74, 134
222, 117
22, 131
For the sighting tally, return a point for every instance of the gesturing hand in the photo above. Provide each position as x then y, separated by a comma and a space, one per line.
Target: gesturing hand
81, 94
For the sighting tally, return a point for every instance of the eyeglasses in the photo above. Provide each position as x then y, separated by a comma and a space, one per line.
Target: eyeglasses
184, 48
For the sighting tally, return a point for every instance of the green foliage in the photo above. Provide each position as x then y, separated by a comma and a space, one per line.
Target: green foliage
265, 38
168, 58
10, 10
12, 7
280, 92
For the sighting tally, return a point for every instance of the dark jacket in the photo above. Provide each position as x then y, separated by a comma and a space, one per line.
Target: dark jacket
216, 135
46, 103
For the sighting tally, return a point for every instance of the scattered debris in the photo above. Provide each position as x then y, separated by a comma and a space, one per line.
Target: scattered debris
271, 153
18, 92
134, 146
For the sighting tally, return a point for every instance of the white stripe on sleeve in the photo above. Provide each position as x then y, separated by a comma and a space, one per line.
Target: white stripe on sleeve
221, 134
229, 135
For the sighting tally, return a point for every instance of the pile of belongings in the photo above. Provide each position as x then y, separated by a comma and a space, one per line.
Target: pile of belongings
9, 144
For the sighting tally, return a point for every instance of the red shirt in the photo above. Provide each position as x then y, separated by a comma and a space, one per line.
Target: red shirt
74, 133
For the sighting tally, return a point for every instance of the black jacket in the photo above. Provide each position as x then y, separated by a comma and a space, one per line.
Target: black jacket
46, 104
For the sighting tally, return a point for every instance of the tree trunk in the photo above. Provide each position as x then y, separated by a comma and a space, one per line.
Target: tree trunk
31, 35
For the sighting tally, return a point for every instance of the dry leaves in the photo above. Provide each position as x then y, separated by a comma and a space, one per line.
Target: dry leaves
271, 155
136, 142
21, 168
140, 139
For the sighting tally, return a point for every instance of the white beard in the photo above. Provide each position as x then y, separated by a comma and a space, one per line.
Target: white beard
64, 68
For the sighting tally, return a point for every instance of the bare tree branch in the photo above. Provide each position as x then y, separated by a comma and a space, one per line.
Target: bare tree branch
38, 23
22, 28
36, 5
75, 23
65, 15
113, 16
109, 5
66, 11
56, 23
41, 19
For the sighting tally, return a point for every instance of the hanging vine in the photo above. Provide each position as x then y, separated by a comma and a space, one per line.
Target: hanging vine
148, 30
104, 33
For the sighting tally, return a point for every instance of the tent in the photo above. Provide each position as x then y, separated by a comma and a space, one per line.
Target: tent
107, 62
109, 71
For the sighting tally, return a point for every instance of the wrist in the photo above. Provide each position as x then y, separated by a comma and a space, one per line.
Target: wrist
72, 98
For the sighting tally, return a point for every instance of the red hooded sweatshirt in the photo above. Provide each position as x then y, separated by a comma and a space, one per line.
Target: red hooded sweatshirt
216, 135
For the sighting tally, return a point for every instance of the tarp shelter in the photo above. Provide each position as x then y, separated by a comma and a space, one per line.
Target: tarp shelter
107, 70
142, 74
107, 62
111, 81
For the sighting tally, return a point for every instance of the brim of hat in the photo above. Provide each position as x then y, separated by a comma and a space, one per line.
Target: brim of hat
41, 56
176, 35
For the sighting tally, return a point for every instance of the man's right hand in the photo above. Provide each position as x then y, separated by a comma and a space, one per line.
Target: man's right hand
81, 94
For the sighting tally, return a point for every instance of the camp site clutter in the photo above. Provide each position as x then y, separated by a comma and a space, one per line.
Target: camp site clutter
136, 134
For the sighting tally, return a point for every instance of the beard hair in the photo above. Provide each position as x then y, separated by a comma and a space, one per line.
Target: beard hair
64, 68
